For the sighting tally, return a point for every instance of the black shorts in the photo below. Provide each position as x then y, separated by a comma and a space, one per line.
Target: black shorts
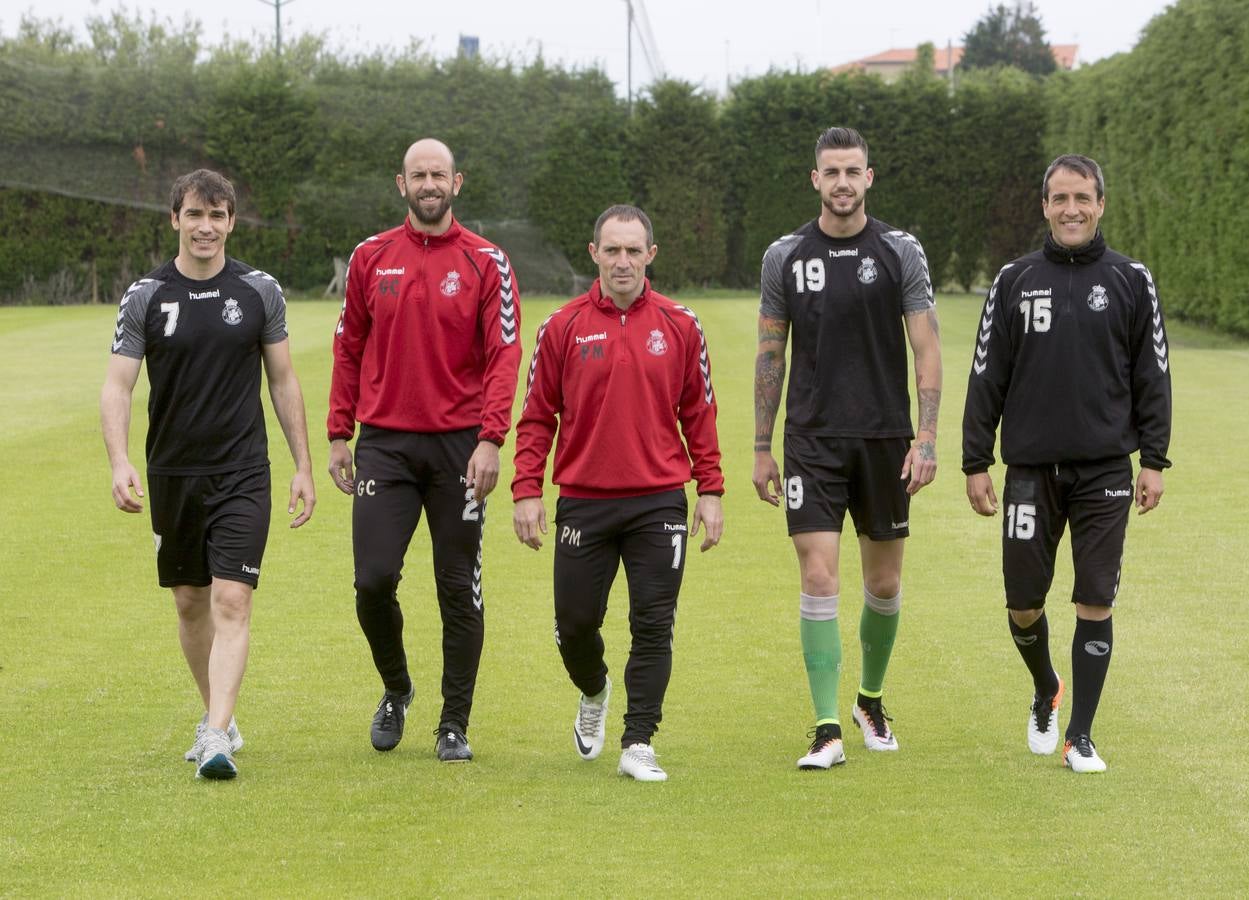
1096, 498
825, 476
210, 526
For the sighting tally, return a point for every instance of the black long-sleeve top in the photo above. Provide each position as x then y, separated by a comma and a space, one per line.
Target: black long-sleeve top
1071, 356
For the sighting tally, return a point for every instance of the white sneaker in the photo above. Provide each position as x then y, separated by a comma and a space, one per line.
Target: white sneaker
236, 739
1043, 722
826, 750
589, 731
215, 758
875, 725
1081, 756
638, 762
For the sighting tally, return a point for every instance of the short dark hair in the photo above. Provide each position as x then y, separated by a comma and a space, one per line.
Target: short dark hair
838, 138
624, 213
213, 188
1081, 165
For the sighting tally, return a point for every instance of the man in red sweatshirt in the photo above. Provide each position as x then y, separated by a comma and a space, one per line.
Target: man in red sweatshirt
622, 373
426, 358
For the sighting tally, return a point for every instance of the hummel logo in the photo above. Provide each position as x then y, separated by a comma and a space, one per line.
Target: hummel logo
1025, 640
1124, 493
1096, 648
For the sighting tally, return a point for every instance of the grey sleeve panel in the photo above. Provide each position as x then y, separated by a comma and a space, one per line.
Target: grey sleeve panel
916, 282
275, 305
129, 337
772, 279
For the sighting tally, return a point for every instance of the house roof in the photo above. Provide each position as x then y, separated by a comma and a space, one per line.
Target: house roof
1064, 55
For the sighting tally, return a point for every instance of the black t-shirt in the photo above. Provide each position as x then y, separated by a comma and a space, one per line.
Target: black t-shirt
202, 342
844, 299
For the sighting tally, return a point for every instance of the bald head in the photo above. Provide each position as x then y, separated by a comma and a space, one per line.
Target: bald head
429, 183
427, 148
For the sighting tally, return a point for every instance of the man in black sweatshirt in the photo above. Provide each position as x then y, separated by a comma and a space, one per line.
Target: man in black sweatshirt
1071, 357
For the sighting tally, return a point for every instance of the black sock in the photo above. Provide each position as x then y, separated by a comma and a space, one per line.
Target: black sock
1090, 658
1033, 644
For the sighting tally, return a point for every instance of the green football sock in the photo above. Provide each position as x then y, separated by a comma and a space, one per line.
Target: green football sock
876, 634
821, 651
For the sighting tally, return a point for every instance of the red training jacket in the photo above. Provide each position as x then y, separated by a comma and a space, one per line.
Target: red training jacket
427, 340
619, 382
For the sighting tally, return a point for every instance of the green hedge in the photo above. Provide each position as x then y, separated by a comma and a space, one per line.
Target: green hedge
1169, 123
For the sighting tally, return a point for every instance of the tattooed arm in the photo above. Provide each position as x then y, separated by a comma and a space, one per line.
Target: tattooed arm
921, 462
769, 379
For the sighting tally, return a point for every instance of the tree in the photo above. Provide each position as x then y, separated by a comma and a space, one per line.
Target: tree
677, 169
1008, 36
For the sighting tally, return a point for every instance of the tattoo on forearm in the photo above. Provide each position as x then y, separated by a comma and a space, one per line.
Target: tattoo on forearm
769, 377
929, 404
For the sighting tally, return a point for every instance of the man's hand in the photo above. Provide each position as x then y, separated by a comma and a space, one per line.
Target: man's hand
124, 478
708, 511
483, 470
920, 465
340, 466
528, 519
1148, 490
767, 478
302, 488
980, 493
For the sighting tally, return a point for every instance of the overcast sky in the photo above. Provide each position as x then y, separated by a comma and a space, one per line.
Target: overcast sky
696, 40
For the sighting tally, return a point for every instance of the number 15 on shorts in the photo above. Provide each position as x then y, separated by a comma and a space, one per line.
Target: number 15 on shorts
1021, 521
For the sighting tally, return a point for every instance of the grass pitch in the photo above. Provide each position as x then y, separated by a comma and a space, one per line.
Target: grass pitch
96, 705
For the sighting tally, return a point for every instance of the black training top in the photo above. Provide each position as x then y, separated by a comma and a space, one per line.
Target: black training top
202, 342
1071, 356
844, 299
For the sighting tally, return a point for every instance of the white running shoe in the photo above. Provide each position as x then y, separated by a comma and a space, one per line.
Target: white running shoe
875, 725
215, 757
1043, 722
1081, 757
826, 750
589, 731
638, 762
236, 739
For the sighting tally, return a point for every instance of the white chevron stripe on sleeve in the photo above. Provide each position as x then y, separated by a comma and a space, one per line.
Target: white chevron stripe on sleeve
1160, 343
704, 362
507, 293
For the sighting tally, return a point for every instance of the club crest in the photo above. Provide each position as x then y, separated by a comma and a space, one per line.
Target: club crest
867, 270
451, 284
231, 314
656, 343
1098, 298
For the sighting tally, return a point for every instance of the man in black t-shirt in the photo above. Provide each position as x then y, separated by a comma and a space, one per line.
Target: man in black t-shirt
204, 322
854, 290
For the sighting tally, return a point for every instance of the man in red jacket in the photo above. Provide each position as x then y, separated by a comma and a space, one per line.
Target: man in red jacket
425, 358
618, 371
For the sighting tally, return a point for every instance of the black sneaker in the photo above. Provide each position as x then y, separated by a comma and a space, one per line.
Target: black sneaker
387, 728
452, 746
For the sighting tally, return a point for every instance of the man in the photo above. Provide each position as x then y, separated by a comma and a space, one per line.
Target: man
853, 289
425, 359
1071, 356
205, 322
618, 371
